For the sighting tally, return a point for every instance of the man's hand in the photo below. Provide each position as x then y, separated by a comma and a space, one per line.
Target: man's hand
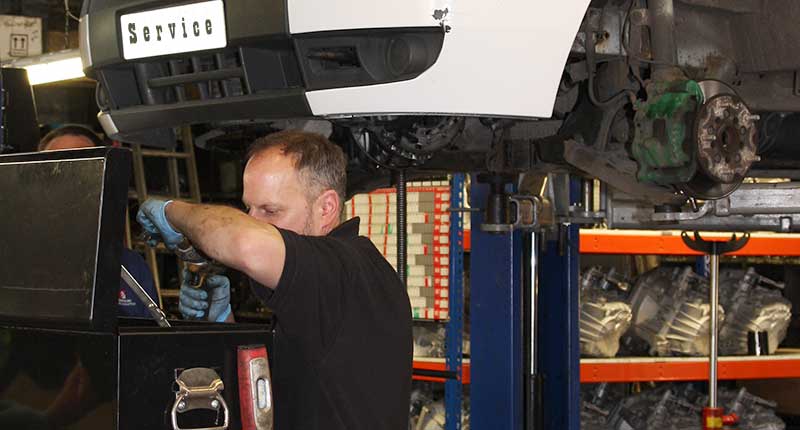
194, 301
153, 218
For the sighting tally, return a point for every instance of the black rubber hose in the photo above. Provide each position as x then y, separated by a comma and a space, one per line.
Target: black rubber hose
402, 244
591, 68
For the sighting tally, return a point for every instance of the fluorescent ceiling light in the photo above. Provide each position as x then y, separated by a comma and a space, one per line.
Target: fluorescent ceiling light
60, 70
55, 67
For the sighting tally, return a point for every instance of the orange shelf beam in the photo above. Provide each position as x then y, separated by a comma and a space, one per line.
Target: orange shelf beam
688, 369
599, 241
438, 365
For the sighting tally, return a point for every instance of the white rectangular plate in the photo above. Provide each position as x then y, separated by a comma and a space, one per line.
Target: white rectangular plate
173, 30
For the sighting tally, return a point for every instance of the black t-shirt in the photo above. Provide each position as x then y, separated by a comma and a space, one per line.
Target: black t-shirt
342, 352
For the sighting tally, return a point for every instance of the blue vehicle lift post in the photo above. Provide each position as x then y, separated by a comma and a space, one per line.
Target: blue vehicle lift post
496, 388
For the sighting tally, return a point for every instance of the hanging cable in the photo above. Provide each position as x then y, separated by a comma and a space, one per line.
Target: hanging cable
67, 17
365, 149
68, 12
591, 68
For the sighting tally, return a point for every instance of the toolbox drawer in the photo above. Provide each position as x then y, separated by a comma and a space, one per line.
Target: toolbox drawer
51, 379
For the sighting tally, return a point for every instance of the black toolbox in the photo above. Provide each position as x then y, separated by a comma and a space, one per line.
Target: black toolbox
66, 360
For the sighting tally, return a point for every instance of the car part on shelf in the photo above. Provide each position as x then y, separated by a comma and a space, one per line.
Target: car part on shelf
427, 414
753, 411
671, 311
660, 408
597, 403
428, 340
753, 303
677, 407
604, 314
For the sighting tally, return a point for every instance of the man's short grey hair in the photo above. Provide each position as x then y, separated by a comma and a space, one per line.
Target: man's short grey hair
321, 163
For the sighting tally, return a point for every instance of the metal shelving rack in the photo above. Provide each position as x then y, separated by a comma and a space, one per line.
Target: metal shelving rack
600, 241
438, 370
453, 370
454, 334
493, 406
784, 364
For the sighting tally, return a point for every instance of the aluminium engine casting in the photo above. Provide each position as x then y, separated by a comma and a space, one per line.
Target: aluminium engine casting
674, 407
429, 414
598, 401
604, 314
671, 311
753, 412
660, 408
753, 303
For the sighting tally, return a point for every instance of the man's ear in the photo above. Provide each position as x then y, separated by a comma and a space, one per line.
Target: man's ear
330, 207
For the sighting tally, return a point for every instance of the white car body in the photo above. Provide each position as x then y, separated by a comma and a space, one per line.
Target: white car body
500, 58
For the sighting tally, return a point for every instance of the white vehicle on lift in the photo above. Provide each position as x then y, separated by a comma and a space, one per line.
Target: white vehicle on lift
483, 59
655, 106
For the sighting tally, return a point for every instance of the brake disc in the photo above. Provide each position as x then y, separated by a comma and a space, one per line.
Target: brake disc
724, 142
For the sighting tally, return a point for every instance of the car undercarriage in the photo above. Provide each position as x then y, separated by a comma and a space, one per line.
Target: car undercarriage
674, 113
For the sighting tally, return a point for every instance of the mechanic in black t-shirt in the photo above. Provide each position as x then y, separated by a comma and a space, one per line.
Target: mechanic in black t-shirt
342, 348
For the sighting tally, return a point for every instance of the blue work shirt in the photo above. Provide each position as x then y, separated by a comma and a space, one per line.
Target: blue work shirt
129, 303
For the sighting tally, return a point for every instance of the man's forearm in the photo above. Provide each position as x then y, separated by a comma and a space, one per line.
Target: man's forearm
227, 235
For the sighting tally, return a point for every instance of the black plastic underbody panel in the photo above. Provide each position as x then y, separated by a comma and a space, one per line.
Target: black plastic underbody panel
262, 74
248, 21
336, 59
274, 104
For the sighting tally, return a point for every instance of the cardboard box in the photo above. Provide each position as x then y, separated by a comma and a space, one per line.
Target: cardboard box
421, 302
20, 36
420, 292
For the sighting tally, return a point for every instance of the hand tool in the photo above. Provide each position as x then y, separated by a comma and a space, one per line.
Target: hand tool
255, 388
152, 307
197, 264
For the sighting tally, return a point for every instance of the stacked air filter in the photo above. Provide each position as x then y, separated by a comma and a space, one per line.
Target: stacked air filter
428, 230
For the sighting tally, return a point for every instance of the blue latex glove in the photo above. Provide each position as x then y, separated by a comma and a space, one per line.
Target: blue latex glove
194, 302
153, 219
